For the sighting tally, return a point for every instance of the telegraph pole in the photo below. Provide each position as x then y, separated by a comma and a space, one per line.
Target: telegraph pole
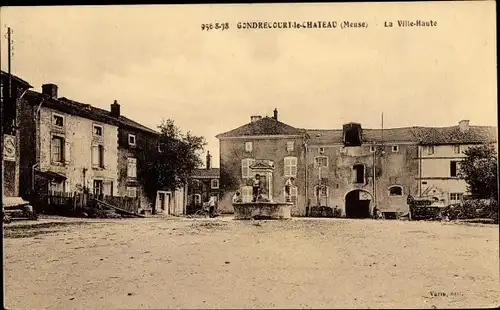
5, 100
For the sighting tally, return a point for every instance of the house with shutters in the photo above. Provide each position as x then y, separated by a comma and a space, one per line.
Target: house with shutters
70, 146
440, 151
353, 168
267, 147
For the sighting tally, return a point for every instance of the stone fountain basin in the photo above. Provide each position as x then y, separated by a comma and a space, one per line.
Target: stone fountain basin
262, 210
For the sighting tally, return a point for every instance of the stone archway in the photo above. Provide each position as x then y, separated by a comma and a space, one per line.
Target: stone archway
358, 204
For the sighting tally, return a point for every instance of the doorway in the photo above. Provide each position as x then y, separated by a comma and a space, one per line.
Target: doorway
357, 204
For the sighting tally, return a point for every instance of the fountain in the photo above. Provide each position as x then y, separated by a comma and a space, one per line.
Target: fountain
263, 207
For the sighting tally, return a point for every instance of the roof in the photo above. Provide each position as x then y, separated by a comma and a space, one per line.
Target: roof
424, 135
266, 126
213, 173
453, 135
17, 79
323, 136
85, 110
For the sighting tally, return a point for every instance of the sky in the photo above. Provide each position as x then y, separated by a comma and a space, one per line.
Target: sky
158, 63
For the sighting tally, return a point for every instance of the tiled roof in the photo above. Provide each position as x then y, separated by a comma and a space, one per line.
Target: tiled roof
319, 136
84, 110
213, 173
264, 126
452, 135
425, 135
16, 78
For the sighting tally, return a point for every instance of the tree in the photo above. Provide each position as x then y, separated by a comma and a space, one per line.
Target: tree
167, 163
479, 169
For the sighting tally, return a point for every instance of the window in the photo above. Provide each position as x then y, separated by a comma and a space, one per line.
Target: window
359, 173
215, 183
290, 166
321, 161
245, 167
131, 167
197, 199
248, 146
395, 190
289, 146
131, 191
293, 195
321, 190
455, 197
58, 120
97, 130
321, 150
372, 149
98, 187
456, 149
98, 156
453, 168
395, 148
160, 147
246, 194
131, 140
57, 149
430, 149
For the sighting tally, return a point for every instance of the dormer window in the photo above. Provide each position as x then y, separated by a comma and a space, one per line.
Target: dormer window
131, 140
352, 134
248, 146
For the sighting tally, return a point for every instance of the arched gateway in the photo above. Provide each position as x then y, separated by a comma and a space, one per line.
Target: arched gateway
358, 204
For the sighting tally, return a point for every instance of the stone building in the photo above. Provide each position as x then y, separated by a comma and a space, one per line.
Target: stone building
352, 168
12, 91
202, 185
439, 154
69, 146
267, 147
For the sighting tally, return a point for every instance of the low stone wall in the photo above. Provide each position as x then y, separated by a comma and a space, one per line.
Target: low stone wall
262, 210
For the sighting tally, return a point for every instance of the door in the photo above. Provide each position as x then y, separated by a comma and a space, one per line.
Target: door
356, 207
98, 187
162, 201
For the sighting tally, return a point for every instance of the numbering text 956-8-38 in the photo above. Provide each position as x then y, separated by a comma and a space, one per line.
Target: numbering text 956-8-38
215, 26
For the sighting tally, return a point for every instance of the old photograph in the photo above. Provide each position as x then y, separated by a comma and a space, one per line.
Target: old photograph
250, 156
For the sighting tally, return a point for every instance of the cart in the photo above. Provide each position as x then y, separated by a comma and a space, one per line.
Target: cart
16, 207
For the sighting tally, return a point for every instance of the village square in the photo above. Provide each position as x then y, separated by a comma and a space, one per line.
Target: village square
166, 177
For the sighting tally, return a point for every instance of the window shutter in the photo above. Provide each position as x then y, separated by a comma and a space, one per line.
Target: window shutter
52, 150
67, 152
95, 155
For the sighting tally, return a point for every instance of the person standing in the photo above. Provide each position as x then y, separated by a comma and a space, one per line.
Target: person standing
211, 206
256, 187
288, 186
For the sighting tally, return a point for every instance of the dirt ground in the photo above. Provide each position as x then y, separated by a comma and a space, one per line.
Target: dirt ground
222, 263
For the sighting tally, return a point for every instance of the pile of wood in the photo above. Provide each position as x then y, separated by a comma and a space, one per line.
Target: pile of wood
100, 209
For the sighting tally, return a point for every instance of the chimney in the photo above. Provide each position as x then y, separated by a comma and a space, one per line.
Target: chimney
50, 90
464, 125
115, 109
209, 160
255, 118
275, 114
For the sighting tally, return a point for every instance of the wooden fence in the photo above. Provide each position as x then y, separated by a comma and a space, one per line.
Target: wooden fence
65, 203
